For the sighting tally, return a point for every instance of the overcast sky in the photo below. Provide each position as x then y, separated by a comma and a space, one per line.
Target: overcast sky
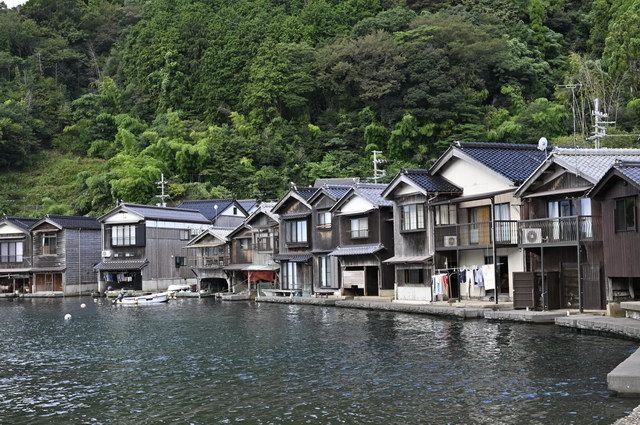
12, 3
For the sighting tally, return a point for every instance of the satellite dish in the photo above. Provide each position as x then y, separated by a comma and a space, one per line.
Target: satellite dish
542, 143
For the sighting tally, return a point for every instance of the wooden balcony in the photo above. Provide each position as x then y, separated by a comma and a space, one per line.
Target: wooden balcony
215, 262
11, 262
561, 231
475, 235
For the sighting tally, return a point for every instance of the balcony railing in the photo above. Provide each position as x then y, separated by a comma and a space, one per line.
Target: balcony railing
14, 262
214, 262
471, 235
561, 230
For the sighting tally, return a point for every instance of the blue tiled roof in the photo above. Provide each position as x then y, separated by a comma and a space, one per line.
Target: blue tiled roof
207, 207
631, 171
373, 193
247, 204
306, 192
167, 214
514, 161
430, 183
337, 192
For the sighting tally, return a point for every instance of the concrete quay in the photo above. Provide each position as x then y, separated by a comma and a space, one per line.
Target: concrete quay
400, 307
625, 378
624, 327
297, 300
539, 317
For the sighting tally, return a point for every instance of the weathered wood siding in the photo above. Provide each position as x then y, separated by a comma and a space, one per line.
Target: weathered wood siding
48, 261
162, 246
620, 248
82, 251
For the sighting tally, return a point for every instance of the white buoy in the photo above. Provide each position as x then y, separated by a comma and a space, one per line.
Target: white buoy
95, 300
67, 316
83, 305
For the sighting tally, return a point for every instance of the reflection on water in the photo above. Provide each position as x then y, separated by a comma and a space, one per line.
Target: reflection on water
202, 361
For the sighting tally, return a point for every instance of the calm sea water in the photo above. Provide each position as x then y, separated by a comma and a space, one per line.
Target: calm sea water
203, 361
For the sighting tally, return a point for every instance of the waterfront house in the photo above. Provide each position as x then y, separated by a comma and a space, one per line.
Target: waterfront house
142, 246
618, 194
252, 246
488, 174
224, 213
364, 221
207, 256
295, 253
15, 254
325, 238
561, 230
64, 251
411, 192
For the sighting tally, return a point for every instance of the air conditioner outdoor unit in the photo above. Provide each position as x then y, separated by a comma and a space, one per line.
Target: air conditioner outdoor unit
106, 253
450, 241
531, 236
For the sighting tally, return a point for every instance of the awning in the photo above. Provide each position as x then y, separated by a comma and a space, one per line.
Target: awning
205, 245
296, 258
118, 266
357, 250
261, 267
237, 267
565, 191
468, 198
293, 216
414, 259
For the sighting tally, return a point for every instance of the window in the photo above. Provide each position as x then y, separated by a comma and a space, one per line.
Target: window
289, 275
235, 211
445, 214
324, 219
503, 227
180, 261
296, 231
414, 276
245, 243
11, 252
49, 242
185, 235
412, 217
325, 272
123, 235
263, 241
359, 227
625, 215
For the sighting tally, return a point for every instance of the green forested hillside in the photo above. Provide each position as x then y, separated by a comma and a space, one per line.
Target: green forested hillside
239, 98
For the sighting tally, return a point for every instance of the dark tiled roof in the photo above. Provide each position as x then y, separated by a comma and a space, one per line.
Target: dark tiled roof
342, 251
430, 183
593, 164
167, 214
514, 161
207, 207
23, 223
121, 265
336, 192
306, 192
296, 258
345, 181
75, 222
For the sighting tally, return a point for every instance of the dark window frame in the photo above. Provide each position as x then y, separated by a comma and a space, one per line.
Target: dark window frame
625, 217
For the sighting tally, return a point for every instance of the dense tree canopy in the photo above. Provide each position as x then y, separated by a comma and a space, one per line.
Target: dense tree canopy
239, 98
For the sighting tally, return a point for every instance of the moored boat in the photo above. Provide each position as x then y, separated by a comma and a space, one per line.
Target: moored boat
159, 298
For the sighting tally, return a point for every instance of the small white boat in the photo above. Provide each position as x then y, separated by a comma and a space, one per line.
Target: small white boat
159, 298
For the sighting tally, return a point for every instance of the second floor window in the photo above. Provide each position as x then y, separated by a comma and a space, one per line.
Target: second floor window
263, 241
359, 227
625, 215
445, 214
412, 217
123, 235
296, 231
49, 243
185, 235
10, 252
245, 244
324, 219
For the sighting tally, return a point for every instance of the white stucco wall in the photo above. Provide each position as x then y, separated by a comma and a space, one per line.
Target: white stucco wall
356, 205
474, 179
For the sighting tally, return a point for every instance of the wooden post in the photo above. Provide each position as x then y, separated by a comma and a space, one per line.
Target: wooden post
493, 249
544, 289
580, 298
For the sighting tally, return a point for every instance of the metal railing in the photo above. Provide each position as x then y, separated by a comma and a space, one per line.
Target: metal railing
454, 236
213, 262
559, 230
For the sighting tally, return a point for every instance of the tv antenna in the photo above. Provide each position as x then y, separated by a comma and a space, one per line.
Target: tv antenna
161, 185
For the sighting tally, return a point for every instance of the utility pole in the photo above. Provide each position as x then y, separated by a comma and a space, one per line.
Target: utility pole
599, 126
573, 88
163, 197
377, 173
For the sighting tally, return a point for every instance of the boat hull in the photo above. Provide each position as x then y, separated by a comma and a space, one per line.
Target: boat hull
152, 299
